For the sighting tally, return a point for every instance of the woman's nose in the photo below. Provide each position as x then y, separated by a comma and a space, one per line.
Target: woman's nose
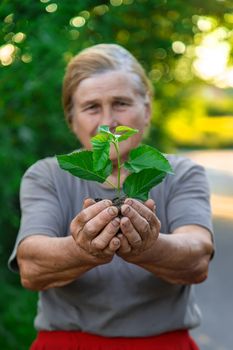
108, 118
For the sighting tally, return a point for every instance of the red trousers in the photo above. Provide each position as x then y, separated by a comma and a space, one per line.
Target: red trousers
73, 340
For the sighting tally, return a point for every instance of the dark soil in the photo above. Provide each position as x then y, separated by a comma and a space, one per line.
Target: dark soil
117, 202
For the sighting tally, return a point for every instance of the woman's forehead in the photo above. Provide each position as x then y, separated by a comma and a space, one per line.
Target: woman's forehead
112, 83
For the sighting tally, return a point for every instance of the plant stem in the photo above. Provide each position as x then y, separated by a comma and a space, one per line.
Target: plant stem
116, 145
111, 184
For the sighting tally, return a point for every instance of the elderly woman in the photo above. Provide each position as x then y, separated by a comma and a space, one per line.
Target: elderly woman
101, 289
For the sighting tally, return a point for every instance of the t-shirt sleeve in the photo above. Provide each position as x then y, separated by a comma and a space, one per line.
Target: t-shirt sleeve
188, 199
41, 211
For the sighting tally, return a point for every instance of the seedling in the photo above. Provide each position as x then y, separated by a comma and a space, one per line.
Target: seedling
146, 165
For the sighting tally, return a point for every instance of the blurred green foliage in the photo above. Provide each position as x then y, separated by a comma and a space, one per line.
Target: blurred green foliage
39, 38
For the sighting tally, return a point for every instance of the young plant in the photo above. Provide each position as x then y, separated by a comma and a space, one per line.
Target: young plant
146, 165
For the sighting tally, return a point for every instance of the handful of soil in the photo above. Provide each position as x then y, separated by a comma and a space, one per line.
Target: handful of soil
117, 202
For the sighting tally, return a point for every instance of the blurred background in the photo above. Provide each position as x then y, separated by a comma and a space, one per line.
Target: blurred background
187, 49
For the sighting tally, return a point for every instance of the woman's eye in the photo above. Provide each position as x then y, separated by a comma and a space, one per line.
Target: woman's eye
121, 104
91, 108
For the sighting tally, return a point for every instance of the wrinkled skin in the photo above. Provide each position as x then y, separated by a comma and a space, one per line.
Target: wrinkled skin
95, 229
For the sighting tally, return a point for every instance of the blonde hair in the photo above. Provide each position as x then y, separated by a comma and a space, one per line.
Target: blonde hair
98, 59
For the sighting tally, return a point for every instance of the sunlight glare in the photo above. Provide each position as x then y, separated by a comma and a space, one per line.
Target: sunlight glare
212, 57
6, 54
204, 24
211, 60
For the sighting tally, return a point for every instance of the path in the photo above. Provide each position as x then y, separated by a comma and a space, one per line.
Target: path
215, 296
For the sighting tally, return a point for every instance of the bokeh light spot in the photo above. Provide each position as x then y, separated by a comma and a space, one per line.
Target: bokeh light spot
51, 8
74, 34
178, 47
9, 19
204, 24
100, 10
19, 37
85, 14
78, 21
116, 2
6, 54
26, 58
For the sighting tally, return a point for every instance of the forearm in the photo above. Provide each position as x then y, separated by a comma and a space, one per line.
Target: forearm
178, 258
47, 262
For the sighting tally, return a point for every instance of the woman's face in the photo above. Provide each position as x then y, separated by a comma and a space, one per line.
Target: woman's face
109, 98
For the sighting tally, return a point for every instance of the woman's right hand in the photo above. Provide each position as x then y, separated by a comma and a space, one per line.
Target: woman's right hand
94, 229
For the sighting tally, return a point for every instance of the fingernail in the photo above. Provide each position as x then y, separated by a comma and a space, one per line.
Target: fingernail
129, 201
125, 209
112, 211
116, 222
116, 242
107, 202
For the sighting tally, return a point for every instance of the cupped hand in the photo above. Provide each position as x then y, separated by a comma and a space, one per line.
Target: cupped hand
140, 228
94, 229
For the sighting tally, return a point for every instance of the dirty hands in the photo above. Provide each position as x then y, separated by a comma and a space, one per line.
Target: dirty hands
140, 229
94, 230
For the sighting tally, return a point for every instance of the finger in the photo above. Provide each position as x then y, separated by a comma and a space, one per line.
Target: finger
130, 233
125, 247
86, 214
88, 202
94, 226
141, 225
150, 204
141, 208
101, 241
146, 212
113, 246
91, 211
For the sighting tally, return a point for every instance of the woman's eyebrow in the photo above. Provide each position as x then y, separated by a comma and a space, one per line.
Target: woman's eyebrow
124, 98
88, 102
114, 98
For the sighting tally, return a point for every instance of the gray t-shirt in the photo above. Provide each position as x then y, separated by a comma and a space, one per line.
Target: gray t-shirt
116, 299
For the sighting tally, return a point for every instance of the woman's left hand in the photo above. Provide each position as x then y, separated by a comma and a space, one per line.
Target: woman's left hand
140, 228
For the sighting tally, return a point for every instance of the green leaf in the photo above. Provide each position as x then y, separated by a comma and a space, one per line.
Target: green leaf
139, 184
104, 129
80, 163
101, 149
146, 157
125, 132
